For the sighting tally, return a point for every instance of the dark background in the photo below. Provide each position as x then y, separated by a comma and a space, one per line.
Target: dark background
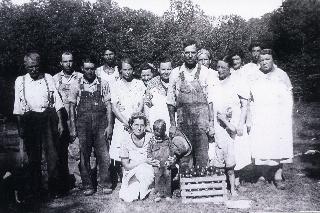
51, 26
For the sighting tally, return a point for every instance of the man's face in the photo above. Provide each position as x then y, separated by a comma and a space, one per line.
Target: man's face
190, 55
266, 63
32, 67
236, 62
108, 57
223, 70
255, 53
89, 71
204, 60
126, 71
165, 70
66, 63
146, 75
138, 127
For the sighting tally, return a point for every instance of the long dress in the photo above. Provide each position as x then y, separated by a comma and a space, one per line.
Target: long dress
225, 97
136, 182
271, 134
128, 97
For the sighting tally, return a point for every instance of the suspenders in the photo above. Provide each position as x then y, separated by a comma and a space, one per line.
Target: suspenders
24, 91
196, 76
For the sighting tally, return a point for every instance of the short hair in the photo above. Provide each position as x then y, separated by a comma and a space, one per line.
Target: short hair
147, 66
33, 56
204, 51
165, 60
189, 42
227, 59
110, 49
266, 52
159, 123
88, 59
254, 44
138, 115
127, 61
238, 52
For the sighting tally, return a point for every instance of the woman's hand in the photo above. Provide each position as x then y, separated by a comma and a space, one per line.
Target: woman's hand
153, 162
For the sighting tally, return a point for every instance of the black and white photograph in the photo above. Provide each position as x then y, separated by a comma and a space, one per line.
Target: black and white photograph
115, 106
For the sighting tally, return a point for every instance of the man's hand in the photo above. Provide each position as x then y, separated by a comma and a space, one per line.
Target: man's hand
21, 132
108, 133
60, 128
153, 162
172, 131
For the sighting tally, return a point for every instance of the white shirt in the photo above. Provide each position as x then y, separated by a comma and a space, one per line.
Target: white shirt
102, 73
36, 94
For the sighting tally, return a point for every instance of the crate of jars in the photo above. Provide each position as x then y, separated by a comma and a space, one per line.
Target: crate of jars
203, 184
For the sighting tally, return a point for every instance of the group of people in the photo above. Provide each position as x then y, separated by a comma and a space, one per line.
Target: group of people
139, 130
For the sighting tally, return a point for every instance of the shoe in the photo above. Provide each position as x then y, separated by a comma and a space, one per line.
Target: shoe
88, 192
280, 184
106, 191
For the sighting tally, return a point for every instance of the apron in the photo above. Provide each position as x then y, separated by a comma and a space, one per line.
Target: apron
193, 116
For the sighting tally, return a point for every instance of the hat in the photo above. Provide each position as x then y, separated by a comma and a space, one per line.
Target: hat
180, 144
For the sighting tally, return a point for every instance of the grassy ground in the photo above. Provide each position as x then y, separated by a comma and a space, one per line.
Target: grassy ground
302, 177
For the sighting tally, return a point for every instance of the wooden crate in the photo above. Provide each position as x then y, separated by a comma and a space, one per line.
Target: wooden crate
204, 189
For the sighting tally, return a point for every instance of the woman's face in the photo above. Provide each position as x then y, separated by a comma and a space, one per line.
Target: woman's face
203, 59
126, 71
146, 75
236, 62
223, 70
138, 127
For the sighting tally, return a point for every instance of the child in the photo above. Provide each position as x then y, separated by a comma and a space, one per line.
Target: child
160, 149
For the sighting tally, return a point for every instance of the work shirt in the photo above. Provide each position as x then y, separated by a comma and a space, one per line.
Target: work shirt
70, 81
84, 85
102, 73
175, 81
33, 95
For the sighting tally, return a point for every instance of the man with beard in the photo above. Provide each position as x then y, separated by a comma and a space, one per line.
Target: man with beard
93, 124
187, 95
65, 81
109, 71
38, 108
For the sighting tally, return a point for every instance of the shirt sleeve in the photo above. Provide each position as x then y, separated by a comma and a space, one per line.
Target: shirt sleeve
58, 104
124, 151
243, 89
114, 93
171, 93
17, 108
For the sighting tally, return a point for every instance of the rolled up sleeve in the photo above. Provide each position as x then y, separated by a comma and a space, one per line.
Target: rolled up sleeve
17, 108
171, 93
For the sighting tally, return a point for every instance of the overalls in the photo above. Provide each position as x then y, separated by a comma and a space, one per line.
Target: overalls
193, 119
65, 90
91, 123
41, 136
161, 151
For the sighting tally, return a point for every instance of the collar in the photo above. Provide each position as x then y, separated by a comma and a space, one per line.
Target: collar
84, 81
28, 78
73, 74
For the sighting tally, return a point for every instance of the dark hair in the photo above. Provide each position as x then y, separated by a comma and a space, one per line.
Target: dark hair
266, 52
254, 44
110, 49
238, 52
138, 115
227, 59
189, 42
88, 59
159, 122
147, 66
127, 61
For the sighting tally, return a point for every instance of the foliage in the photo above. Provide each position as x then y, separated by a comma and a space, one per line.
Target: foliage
51, 26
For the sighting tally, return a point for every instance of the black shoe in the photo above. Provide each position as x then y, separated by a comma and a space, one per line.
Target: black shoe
280, 184
88, 192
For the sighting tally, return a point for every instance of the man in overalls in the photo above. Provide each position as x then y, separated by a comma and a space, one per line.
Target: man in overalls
64, 81
38, 108
187, 95
93, 123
